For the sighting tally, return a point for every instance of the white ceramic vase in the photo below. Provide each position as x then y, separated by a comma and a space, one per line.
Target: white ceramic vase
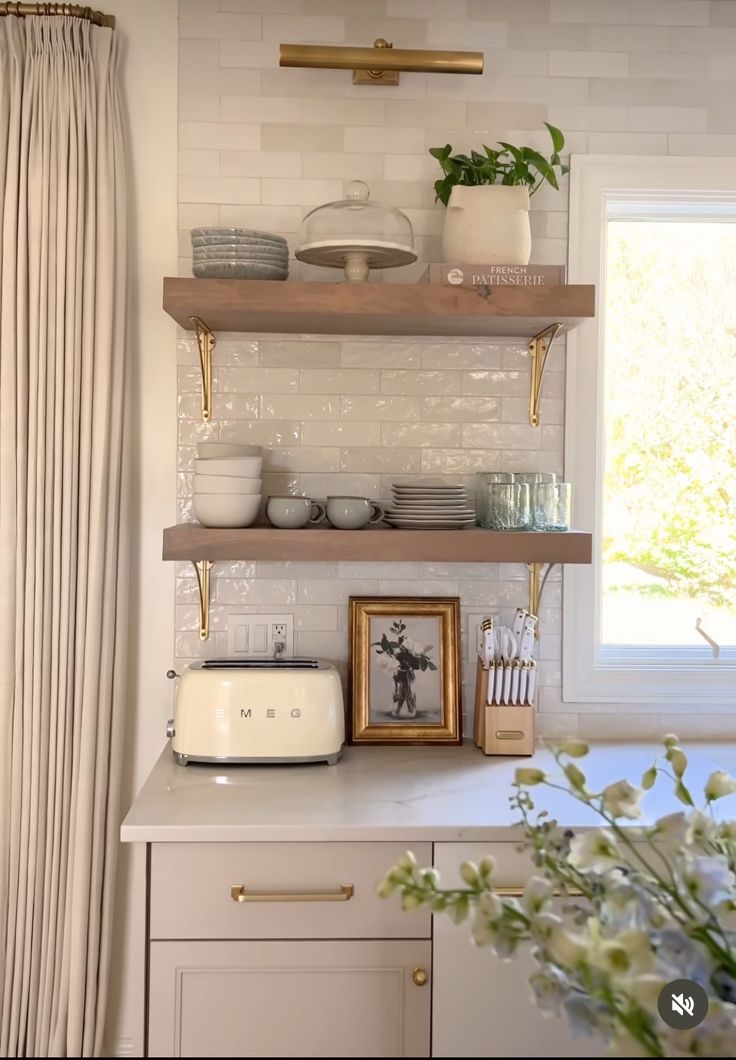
487, 225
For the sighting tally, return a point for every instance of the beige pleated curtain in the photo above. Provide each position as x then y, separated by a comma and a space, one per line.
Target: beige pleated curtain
62, 558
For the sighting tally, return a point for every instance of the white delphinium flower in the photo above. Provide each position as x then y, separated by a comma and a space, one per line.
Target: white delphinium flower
550, 987
656, 903
719, 784
703, 829
536, 895
708, 879
586, 1015
594, 851
621, 799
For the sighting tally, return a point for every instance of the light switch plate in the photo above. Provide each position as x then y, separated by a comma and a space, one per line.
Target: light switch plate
256, 636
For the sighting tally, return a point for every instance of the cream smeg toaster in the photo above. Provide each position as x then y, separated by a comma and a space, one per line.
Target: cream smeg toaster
259, 712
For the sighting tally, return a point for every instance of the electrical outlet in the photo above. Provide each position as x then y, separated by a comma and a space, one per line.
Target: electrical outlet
256, 636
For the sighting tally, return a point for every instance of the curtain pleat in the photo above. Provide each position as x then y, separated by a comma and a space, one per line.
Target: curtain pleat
63, 550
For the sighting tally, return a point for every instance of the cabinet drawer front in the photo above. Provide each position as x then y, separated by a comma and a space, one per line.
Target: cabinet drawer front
278, 891
289, 999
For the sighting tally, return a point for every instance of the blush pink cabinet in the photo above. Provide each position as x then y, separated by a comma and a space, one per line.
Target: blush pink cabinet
284, 949
327, 998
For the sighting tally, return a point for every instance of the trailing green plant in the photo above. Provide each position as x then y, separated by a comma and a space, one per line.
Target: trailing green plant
507, 165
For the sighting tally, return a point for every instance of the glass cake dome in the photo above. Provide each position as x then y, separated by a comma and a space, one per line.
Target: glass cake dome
356, 235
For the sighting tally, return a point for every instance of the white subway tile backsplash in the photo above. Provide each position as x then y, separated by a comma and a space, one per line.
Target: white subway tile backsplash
453, 355
219, 189
301, 192
458, 461
299, 406
345, 166
501, 436
259, 380
328, 432
381, 354
299, 353
259, 54
220, 136
466, 33
198, 106
266, 592
588, 64
334, 591
193, 163
639, 38
425, 8
380, 408
261, 109
262, 432
404, 382
632, 143
255, 164
368, 139
340, 381
421, 435
304, 138
662, 119
467, 409
323, 111
302, 458
394, 460
512, 384
210, 26
312, 29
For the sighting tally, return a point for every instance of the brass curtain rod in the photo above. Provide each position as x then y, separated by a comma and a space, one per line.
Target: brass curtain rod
97, 18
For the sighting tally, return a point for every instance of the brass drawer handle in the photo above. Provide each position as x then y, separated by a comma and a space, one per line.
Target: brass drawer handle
517, 892
420, 977
238, 893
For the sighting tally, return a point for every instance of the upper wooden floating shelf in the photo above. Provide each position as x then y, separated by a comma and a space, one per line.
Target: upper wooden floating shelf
474, 545
375, 308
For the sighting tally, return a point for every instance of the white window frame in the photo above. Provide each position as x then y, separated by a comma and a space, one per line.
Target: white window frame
693, 678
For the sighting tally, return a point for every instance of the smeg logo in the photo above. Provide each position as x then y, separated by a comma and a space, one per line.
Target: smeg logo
269, 712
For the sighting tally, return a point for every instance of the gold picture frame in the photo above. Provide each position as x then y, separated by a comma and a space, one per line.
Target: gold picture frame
404, 690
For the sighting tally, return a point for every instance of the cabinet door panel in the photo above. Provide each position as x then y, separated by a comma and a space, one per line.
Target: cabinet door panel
288, 999
483, 1006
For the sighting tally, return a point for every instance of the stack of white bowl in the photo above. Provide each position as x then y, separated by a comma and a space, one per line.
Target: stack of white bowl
227, 483
239, 254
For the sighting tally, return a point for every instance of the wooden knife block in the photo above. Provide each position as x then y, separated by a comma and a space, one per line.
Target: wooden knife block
500, 730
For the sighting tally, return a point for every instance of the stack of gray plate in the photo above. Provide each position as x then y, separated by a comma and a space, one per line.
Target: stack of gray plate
239, 253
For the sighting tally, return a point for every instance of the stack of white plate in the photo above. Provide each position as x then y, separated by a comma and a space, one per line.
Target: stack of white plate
227, 483
239, 254
429, 506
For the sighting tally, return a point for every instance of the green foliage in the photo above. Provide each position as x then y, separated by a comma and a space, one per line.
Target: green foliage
670, 472
505, 165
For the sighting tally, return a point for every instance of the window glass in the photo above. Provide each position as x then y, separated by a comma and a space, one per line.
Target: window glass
668, 519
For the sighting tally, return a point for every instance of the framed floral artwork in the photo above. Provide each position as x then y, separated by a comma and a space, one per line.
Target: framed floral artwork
404, 670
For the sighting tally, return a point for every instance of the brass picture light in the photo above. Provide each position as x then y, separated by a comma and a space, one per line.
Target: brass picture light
379, 65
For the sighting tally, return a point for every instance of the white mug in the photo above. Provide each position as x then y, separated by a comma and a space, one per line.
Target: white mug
292, 513
352, 513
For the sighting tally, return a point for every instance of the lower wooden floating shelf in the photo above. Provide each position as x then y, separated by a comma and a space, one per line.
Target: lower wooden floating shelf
473, 545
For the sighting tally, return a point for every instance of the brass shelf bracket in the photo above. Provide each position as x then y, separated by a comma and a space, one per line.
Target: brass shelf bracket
203, 568
539, 348
536, 585
206, 344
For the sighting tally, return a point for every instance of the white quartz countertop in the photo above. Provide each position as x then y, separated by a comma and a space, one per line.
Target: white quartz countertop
384, 794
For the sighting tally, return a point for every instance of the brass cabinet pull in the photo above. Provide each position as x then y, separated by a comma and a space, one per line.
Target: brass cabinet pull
420, 977
238, 893
517, 892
